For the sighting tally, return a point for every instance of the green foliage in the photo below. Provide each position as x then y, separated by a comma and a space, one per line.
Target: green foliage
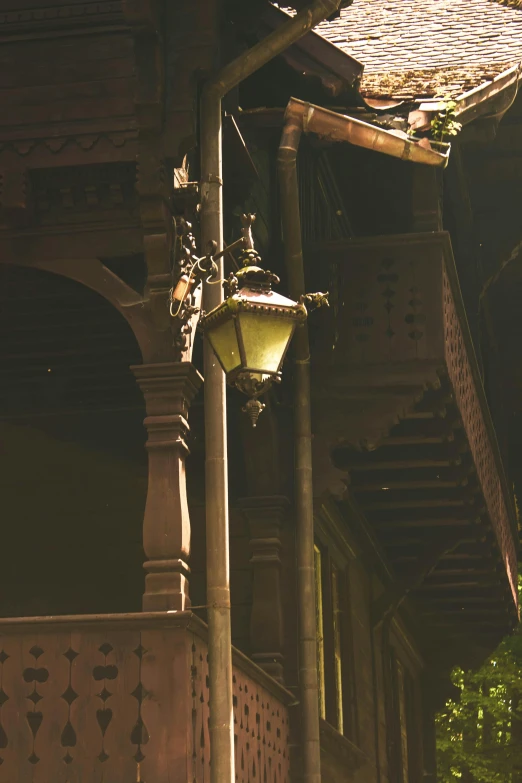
480, 732
445, 122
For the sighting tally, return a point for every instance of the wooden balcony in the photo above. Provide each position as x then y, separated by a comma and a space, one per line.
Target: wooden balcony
125, 697
400, 403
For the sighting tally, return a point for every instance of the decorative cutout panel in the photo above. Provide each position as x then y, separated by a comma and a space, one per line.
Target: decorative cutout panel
122, 700
261, 733
464, 386
261, 730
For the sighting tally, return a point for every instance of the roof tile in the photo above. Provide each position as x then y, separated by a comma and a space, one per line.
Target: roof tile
428, 47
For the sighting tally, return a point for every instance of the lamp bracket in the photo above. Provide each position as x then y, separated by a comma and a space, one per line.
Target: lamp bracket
192, 271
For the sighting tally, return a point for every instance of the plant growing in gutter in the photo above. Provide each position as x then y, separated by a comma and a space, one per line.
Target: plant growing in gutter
445, 122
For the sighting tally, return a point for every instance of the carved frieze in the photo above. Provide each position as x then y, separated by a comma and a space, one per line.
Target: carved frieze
15, 202
40, 150
64, 193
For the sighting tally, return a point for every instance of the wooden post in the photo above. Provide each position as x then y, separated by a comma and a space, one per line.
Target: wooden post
168, 390
426, 209
265, 517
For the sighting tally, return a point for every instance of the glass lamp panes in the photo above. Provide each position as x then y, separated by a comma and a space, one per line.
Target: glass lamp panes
223, 339
264, 340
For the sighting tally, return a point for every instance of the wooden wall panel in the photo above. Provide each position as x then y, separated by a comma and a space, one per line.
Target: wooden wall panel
61, 81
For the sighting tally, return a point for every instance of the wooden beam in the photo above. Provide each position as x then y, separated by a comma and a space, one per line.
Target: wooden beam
460, 599
486, 613
398, 524
405, 485
388, 603
455, 585
402, 464
464, 572
396, 542
463, 556
420, 416
421, 503
418, 440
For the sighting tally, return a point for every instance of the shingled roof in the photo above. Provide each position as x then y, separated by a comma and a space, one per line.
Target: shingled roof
414, 49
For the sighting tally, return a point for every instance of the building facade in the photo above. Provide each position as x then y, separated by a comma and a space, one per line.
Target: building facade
414, 380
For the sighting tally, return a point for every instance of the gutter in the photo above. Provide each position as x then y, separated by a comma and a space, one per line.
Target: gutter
221, 722
302, 118
340, 127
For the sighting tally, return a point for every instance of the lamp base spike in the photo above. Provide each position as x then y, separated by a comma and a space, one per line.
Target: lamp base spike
253, 409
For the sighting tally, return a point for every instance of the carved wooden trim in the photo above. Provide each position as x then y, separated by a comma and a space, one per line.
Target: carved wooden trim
473, 415
154, 182
403, 327
156, 345
72, 148
94, 275
265, 517
168, 390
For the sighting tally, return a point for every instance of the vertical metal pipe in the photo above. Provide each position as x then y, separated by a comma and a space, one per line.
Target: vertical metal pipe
301, 116
291, 223
221, 725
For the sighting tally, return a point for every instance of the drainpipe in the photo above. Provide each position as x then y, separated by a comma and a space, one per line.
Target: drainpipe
221, 725
301, 117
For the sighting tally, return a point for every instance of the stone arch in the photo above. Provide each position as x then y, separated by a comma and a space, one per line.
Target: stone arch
71, 438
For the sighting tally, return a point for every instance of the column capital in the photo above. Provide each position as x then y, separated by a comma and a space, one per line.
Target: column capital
266, 510
168, 387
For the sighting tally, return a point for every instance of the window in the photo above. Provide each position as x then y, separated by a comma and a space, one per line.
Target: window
336, 676
319, 629
402, 725
337, 645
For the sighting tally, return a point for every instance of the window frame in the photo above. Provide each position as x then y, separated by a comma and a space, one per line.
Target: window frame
402, 668
340, 707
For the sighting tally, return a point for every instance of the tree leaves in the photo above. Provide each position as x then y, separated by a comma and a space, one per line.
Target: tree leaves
480, 731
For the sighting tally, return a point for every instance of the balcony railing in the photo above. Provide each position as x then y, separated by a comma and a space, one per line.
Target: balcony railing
125, 697
401, 353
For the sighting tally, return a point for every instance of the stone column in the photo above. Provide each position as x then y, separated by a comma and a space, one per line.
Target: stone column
168, 390
265, 517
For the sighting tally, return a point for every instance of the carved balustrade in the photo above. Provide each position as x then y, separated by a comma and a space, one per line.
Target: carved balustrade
399, 333
125, 697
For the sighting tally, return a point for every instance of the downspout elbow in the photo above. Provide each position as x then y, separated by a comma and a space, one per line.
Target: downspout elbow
265, 50
289, 144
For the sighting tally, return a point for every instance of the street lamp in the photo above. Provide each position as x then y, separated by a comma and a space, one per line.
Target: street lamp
251, 330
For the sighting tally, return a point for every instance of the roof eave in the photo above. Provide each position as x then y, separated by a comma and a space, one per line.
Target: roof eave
491, 98
319, 49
